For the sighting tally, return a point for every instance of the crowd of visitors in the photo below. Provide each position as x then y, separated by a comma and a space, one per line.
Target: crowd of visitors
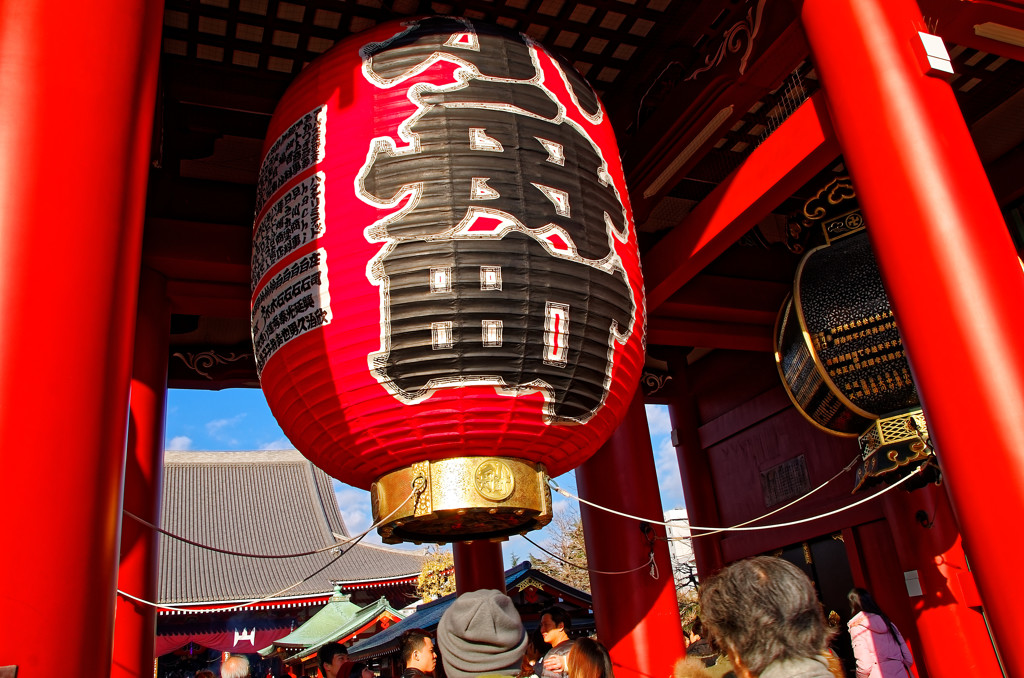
759, 618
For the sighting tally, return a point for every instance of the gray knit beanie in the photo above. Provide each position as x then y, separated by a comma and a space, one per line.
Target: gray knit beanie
480, 632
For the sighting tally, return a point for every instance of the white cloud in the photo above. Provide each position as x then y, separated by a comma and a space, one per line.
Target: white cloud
216, 427
355, 507
279, 444
180, 443
658, 421
670, 483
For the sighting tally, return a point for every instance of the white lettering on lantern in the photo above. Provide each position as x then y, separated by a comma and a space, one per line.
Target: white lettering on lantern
246, 635
293, 302
466, 40
490, 277
556, 152
300, 147
560, 199
556, 333
440, 279
479, 141
481, 191
441, 335
294, 220
492, 333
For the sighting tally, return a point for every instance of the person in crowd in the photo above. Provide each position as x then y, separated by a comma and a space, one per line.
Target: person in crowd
763, 612
535, 649
878, 646
554, 627
481, 634
417, 649
235, 666
332, 657
360, 670
588, 658
697, 645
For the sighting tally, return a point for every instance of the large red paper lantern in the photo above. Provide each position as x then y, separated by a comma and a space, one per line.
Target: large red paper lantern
447, 300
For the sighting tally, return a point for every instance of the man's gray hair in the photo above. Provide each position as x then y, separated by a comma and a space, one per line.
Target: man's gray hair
235, 666
763, 610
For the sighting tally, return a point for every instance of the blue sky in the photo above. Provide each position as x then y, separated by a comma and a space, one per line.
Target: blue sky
239, 419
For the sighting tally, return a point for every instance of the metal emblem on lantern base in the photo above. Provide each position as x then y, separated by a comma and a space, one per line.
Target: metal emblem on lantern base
461, 499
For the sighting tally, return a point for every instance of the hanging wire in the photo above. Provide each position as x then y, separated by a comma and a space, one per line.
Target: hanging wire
744, 527
844, 470
671, 522
207, 547
351, 545
649, 563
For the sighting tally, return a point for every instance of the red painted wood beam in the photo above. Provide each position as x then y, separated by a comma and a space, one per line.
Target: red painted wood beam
135, 623
790, 157
979, 25
684, 127
190, 250
220, 300
725, 299
663, 331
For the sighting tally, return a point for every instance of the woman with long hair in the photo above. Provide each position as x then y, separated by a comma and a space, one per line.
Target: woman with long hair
878, 645
589, 659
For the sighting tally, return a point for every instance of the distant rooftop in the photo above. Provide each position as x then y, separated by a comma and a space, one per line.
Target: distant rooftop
273, 502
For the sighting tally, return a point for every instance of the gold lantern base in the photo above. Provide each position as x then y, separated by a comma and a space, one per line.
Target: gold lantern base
461, 499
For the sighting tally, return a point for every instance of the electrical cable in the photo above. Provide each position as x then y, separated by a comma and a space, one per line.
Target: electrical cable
649, 563
354, 541
229, 552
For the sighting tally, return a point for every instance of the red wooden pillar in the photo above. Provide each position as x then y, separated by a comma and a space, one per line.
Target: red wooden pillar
950, 270
636, 614
135, 625
928, 543
78, 83
478, 565
694, 470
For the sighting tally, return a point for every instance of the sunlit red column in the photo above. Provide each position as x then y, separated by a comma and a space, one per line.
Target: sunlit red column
928, 543
478, 565
950, 270
78, 87
636, 613
135, 625
694, 470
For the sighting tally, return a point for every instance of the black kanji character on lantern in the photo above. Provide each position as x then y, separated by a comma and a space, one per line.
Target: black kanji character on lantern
500, 268
548, 326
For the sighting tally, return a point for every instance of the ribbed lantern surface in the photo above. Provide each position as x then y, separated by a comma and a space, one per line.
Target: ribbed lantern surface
444, 260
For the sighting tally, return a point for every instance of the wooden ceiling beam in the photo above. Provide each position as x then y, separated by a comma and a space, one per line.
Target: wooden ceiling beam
702, 107
726, 299
790, 157
218, 300
190, 250
663, 331
978, 25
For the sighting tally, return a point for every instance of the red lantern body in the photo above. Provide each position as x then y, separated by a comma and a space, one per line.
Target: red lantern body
444, 259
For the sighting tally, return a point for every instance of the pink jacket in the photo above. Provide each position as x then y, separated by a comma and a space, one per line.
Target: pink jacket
879, 653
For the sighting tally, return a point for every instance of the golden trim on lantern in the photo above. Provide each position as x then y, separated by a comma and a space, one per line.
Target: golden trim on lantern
461, 499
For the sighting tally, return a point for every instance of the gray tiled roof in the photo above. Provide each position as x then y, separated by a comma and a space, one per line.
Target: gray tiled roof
265, 503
